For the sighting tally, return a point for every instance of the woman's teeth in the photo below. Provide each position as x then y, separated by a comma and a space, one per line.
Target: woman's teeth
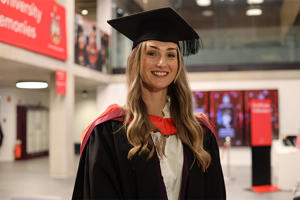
160, 73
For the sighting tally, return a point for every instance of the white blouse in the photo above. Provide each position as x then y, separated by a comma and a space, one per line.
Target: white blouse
172, 162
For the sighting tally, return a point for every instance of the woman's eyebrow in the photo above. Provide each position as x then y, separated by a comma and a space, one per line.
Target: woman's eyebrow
154, 47
169, 49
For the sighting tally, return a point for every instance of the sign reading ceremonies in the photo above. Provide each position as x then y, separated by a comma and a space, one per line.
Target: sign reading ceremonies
35, 25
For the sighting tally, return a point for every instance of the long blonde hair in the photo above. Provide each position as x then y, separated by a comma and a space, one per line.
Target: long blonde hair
138, 124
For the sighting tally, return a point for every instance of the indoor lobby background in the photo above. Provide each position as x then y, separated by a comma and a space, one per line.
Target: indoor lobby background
251, 49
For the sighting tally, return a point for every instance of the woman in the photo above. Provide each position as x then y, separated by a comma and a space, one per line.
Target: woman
154, 147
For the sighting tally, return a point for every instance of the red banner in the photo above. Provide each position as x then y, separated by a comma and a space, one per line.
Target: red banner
272, 95
61, 79
261, 125
34, 25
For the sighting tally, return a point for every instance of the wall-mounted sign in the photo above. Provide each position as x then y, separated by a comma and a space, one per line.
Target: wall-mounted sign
61, 82
35, 25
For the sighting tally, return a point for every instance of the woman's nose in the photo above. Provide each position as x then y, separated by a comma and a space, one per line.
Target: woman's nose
162, 61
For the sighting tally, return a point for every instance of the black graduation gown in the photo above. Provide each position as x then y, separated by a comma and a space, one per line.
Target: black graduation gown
104, 171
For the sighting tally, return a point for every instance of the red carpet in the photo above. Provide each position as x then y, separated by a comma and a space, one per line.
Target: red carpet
265, 188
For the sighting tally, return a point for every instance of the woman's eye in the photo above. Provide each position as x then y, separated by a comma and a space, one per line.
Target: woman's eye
171, 55
151, 53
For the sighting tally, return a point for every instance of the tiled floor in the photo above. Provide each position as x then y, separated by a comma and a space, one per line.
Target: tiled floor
31, 179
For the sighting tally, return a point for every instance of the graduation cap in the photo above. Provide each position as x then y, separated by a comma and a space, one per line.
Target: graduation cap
162, 24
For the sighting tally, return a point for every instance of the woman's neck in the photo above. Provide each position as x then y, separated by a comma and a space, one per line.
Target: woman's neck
155, 101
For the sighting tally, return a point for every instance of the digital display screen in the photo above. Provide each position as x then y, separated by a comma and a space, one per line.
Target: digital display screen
229, 111
226, 111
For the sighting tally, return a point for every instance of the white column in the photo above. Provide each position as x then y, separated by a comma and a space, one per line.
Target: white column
104, 13
61, 144
61, 147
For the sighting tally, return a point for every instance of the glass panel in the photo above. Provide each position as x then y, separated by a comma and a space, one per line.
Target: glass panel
236, 34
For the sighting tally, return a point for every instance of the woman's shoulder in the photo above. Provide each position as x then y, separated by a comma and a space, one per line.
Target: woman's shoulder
208, 128
205, 123
112, 113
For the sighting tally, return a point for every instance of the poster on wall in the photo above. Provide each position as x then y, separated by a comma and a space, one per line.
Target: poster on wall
272, 95
91, 45
38, 26
200, 102
226, 112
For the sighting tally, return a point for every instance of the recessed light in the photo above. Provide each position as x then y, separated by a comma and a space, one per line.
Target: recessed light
253, 12
31, 84
203, 3
255, 1
84, 93
120, 11
84, 12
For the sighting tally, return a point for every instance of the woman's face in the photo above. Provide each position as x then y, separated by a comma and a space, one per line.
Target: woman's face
160, 64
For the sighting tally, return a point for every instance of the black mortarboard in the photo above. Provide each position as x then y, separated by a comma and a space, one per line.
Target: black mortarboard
162, 24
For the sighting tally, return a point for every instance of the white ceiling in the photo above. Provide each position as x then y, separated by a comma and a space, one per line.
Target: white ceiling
11, 72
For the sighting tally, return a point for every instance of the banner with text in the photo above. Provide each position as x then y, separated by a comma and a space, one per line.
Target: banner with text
261, 125
61, 82
39, 26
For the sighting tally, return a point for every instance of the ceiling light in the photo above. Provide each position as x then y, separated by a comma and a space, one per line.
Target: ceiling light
120, 11
31, 84
203, 2
253, 12
84, 12
255, 1
84, 93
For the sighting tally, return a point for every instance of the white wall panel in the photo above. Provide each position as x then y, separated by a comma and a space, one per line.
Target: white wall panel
8, 115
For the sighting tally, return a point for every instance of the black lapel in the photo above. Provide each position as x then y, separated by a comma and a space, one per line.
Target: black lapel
187, 161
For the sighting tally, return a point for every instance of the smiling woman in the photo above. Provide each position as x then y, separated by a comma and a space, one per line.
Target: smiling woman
160, 65
153, 147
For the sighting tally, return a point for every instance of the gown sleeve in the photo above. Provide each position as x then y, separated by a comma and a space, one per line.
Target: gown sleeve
98, 171
215, 179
